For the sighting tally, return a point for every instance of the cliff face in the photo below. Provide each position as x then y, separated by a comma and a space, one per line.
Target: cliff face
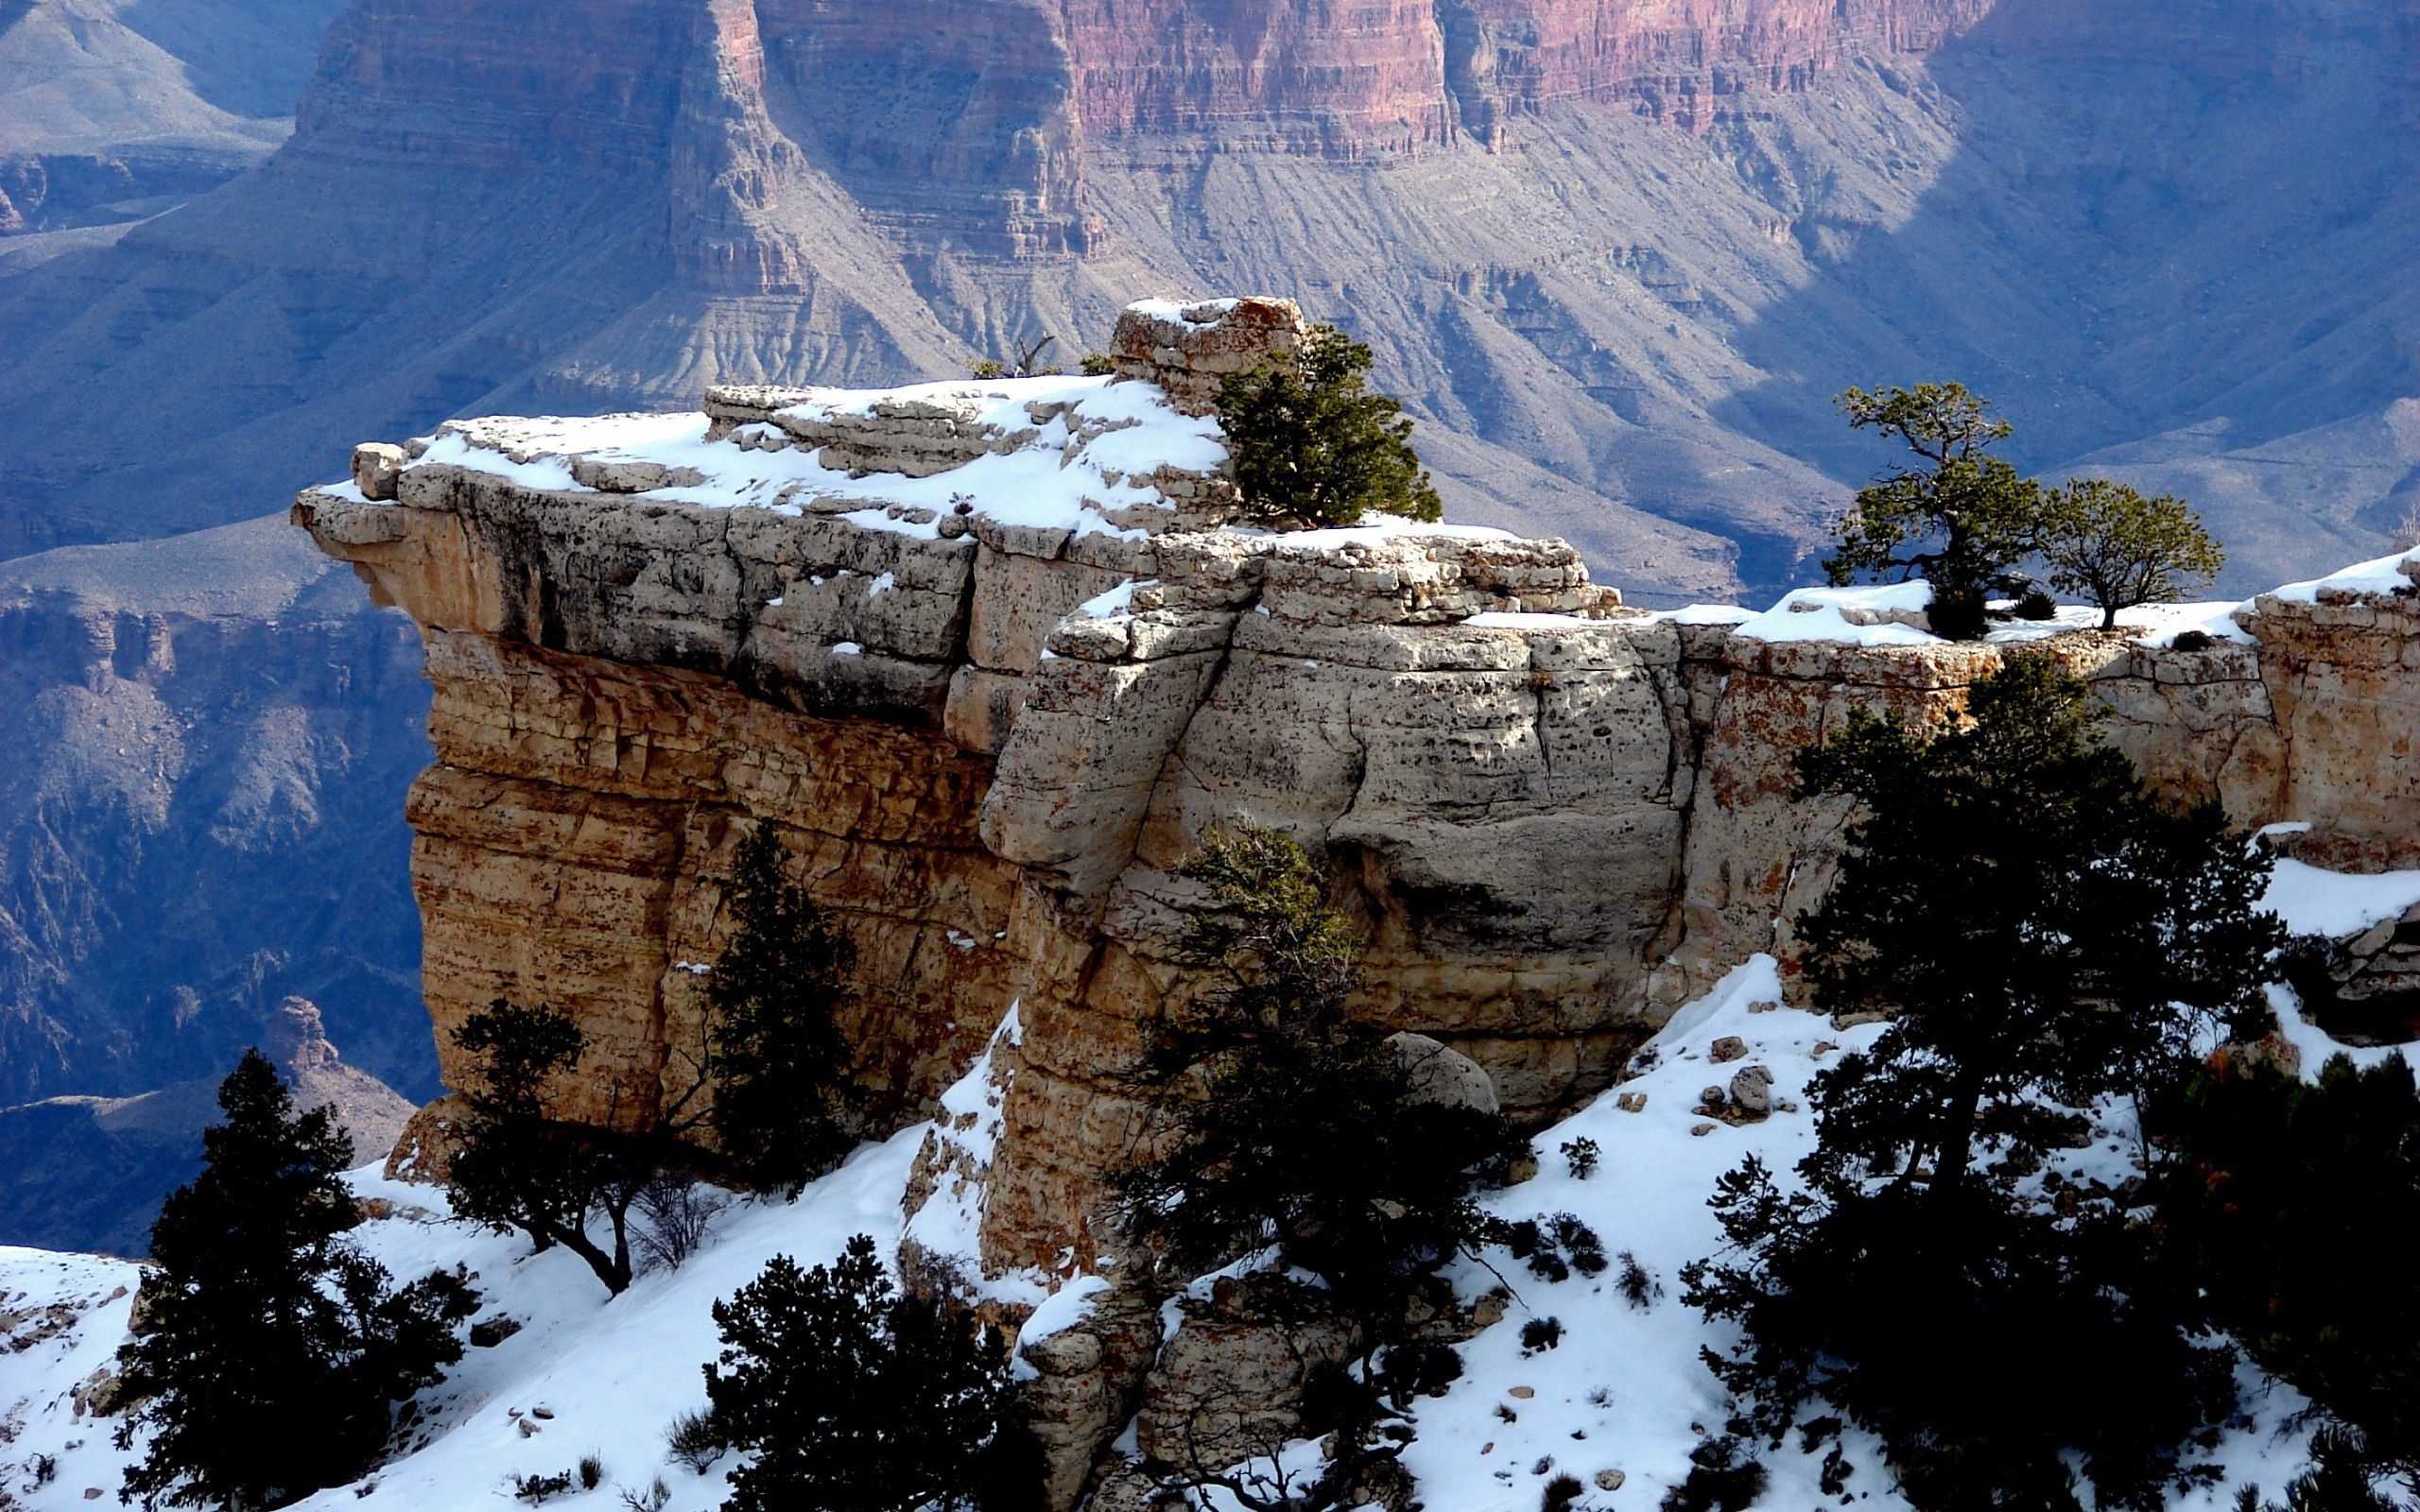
969, 649
981, 656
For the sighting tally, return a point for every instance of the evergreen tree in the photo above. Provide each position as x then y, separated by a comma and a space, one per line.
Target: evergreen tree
775, 1056
1288, 1122
1959, 517
1313, 448
2046, 936
269, 1352
2118, 548
852, 1397
2290, 1207
519, 1165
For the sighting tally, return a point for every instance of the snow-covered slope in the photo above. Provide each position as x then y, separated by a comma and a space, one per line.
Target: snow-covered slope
1619, 1402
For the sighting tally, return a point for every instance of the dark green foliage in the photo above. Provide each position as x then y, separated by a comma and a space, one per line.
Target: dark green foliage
1284, 1122
1313, 448
774, 1055
539, 1490
1540, 1334
1097, 364
2118, 548
853, 1397
1580, 1157
2346, 1475
2046, 936
520, 1166
1561, 1494
1722, 1477
1958, 517
2292, 1207
271, 1352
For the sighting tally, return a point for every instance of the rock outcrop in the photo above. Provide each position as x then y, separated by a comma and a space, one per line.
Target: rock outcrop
981, 656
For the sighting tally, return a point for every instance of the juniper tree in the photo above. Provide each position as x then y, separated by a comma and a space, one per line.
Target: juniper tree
1312, 447
1958, 517
774, 1055
2046, 937
522, 1164
851, 1395
2289, 1207
269, 1351
2106, 541
1286, 1123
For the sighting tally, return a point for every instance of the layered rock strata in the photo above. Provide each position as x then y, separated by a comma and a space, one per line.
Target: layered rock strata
982, 655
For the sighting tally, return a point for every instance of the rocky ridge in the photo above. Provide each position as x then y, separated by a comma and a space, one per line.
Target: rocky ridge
972, 651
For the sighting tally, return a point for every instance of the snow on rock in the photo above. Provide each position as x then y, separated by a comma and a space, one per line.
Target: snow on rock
2389, 575
945, 1232
2337, 903
1050, 454
1627, 1391
62, 1319
1889, 615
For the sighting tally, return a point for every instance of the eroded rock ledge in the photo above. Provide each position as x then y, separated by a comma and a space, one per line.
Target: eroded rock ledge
983, 655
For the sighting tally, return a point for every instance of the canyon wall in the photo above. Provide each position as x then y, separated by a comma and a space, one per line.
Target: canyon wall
983, 657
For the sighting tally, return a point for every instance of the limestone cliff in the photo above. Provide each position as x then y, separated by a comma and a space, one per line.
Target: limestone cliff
982, 654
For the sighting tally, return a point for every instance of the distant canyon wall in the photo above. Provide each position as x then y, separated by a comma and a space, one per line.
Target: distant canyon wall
988, 744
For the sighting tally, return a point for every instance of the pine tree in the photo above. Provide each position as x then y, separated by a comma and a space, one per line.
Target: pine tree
270, 1352
1312, 448
2108, 543
1286, 1122
2289, 1207
776, 1056
2046, 936
519, 1165
1960, 518
852, 1397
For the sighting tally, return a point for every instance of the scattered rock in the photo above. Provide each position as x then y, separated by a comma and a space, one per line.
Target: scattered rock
1522, 1393
1700, 1129
1752, 1092
489, 1332
1610, 1480
1729, 1047
378, 466
1631, 1102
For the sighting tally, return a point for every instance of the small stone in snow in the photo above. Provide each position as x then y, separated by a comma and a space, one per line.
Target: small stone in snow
1610, 1480
1524, 1393
1631, 1102
1762, 1007
1729, 1047
1700, 1129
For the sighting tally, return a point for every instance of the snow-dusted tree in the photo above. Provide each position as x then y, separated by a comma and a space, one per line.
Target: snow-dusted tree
269, 1352
1284, 1122
851, 1395
2046, 937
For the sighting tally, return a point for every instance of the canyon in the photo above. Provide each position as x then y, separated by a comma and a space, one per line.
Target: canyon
982, 656
1616, 255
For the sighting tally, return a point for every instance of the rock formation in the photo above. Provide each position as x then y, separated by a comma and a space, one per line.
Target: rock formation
89, 1173
980, 654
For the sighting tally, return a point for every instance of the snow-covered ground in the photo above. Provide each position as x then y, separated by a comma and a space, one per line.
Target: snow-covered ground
1622, 1399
